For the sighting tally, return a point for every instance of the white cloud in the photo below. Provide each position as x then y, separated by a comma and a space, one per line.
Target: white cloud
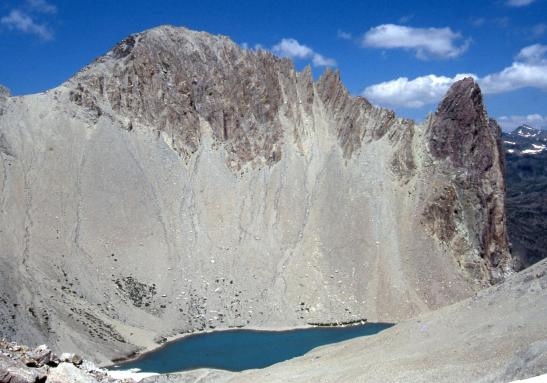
344, 35
41, 6
426, 42
293, 49
532, 54
256, 47
513, 122
518, 75
528, 70
414, 93
21, 21
320, 60
519, 3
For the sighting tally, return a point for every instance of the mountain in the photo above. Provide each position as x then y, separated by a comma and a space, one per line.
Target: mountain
526, 180
527, 131
182, 183
525, 140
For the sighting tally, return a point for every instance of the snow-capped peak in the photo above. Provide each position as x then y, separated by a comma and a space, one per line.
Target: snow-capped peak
526, 131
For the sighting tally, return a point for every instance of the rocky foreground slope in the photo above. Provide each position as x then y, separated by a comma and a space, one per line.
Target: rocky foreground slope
180, 182
498, 335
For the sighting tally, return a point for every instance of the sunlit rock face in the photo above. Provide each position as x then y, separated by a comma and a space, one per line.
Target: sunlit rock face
180, 182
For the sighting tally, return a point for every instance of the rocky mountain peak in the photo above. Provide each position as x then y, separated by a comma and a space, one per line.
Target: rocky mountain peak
170, 78
461, 134
459, 126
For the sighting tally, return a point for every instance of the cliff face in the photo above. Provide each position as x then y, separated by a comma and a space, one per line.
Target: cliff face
469, 144
180, 182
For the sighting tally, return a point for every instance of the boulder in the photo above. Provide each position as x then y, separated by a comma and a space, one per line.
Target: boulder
90, 367
71, 358
22, 375
69, 373
40, 356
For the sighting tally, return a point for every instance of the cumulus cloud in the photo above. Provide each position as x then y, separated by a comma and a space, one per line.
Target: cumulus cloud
425, 42
528, 70
293, 49
532, 54
23, 22
518, 75
519, 3
414, 93
513, 122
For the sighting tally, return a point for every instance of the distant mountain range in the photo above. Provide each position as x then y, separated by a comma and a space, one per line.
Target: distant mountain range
526, 181
525, 140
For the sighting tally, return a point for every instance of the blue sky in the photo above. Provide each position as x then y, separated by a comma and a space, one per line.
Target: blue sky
399, 54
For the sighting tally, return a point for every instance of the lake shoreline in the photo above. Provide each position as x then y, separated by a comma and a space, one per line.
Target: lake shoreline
144, 351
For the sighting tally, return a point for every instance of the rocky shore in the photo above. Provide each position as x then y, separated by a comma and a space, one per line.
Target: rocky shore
20, 364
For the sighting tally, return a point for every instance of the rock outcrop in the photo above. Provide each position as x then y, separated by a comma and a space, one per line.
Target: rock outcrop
19, 364
462, 136
180, 182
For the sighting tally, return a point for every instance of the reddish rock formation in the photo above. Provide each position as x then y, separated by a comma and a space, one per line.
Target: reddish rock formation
461, 135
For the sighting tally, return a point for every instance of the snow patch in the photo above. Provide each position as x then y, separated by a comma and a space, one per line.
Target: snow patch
536, 149
537, 379
133, 373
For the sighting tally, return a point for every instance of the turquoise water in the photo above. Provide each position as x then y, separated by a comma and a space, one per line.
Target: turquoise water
238, 350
